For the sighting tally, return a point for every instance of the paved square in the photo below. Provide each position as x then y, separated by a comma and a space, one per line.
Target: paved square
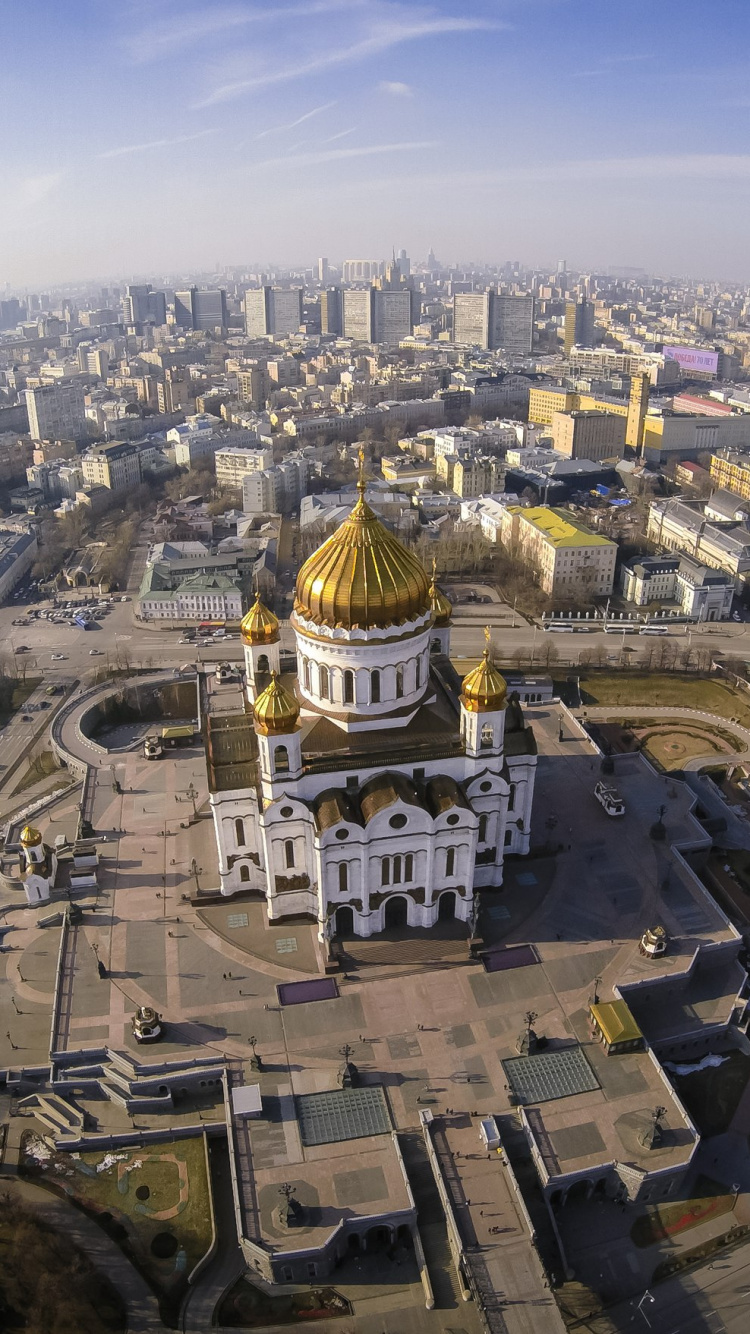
362, 1187
329, 1118
577, 1141
550, 1075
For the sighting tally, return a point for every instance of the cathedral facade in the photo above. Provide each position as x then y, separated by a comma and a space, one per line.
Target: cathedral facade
370, 788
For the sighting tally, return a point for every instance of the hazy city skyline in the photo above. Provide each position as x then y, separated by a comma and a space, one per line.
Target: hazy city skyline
169, 137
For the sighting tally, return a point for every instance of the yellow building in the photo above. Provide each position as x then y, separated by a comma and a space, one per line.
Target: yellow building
732, 473
565, 556
544, 403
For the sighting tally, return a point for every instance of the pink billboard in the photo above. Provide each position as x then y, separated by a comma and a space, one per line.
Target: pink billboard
693, 359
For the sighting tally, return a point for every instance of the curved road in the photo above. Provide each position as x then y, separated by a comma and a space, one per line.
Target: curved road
615, 712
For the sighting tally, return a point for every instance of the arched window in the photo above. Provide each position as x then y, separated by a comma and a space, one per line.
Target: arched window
408, 867
483, 829
450, 862
289, 852
244, 873
375, 687
323, 678
397, 870
306, 673
385, 871
399, 683
343, 878
512, 797
435, 646
239, 833
418, 674
348, 687
263, 663
488, 734
281, 760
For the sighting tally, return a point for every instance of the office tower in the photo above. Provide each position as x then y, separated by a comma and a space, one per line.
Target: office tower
322, 270
10, 313
637, 409
142, 305
579, 325
331, 311
404, 264
391, 315
357, 314
173, 393
273, 312
183, 308
360, 270
210, 308
484, 319
512, 324
56, 411
93, 360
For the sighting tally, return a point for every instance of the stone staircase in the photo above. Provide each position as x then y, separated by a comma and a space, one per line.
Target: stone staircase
430, 1221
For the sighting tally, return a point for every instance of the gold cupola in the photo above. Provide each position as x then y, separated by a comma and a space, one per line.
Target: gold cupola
441, 607
362, 577
30, 837
484, 690
259, 625
276, 709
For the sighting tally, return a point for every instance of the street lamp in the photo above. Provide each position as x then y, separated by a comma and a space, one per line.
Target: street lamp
645, 1298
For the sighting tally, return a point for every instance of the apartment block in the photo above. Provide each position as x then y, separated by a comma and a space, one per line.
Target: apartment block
272, 312
589, 435
731, 471
56, 410
565, 556
116, 466
234, 464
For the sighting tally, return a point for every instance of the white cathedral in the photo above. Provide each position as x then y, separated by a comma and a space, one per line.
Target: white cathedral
365, 790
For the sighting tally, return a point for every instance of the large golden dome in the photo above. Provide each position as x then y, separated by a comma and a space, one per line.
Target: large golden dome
259, 625
362, 578
484, 690
276, 709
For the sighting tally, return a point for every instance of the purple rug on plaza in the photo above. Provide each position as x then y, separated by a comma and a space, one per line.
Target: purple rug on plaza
515, 956
299, 993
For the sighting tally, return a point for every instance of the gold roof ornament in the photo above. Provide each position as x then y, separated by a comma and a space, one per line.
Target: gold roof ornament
276, 709
441, 607
259, 625
30, 837
484, 690
362, 577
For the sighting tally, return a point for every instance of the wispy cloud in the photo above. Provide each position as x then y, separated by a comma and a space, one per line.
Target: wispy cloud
342, 134
33, 189
127, 149
162, 38
659, 167
387, 34
292, 124
395, 88
342, 154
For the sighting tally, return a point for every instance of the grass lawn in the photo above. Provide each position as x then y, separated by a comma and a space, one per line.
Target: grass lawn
712, 1096
40, 767
155, 1202
671, 746
653, 688
663, 1221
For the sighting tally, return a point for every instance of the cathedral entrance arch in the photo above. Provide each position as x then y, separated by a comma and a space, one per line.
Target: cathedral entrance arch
447, 906
396, 911
344, 921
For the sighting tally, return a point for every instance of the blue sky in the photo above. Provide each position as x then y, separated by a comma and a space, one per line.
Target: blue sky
148, 137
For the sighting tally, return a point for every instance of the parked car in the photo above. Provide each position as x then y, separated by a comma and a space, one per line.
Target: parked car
58, 657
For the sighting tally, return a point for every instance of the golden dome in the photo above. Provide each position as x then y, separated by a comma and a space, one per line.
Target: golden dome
259, 625
276, 709
362, 578
484, 690
30, 837
441, 607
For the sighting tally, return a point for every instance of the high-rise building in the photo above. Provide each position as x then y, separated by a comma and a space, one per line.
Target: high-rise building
56, 411
589, 435
141, 305
322, 270
637, 408
273, 312
116, 466
404, 264
391, 315
357, 314
331, 311
487, 320
201, 308
579, 325
360, 270
173, 393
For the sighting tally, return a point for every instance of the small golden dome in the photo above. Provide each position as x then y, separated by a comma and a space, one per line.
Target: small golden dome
484, 689
276, 709
259, 625
362, 577
441, 607
30, 837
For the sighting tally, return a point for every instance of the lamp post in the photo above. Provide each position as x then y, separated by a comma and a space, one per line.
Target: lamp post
645, 1298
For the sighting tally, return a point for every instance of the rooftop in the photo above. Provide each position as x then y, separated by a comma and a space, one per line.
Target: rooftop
560, 528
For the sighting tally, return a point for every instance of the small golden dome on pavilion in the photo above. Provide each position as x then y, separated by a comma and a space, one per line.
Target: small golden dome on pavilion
484, 690
362, 577
441, 607
259, 625
30, 837
276, 709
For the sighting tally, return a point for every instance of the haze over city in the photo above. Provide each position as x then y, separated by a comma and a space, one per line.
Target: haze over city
145, 138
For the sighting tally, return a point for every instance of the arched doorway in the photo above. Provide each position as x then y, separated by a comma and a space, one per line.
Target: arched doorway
578, 1192
396, 911
344, 921
447, 906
